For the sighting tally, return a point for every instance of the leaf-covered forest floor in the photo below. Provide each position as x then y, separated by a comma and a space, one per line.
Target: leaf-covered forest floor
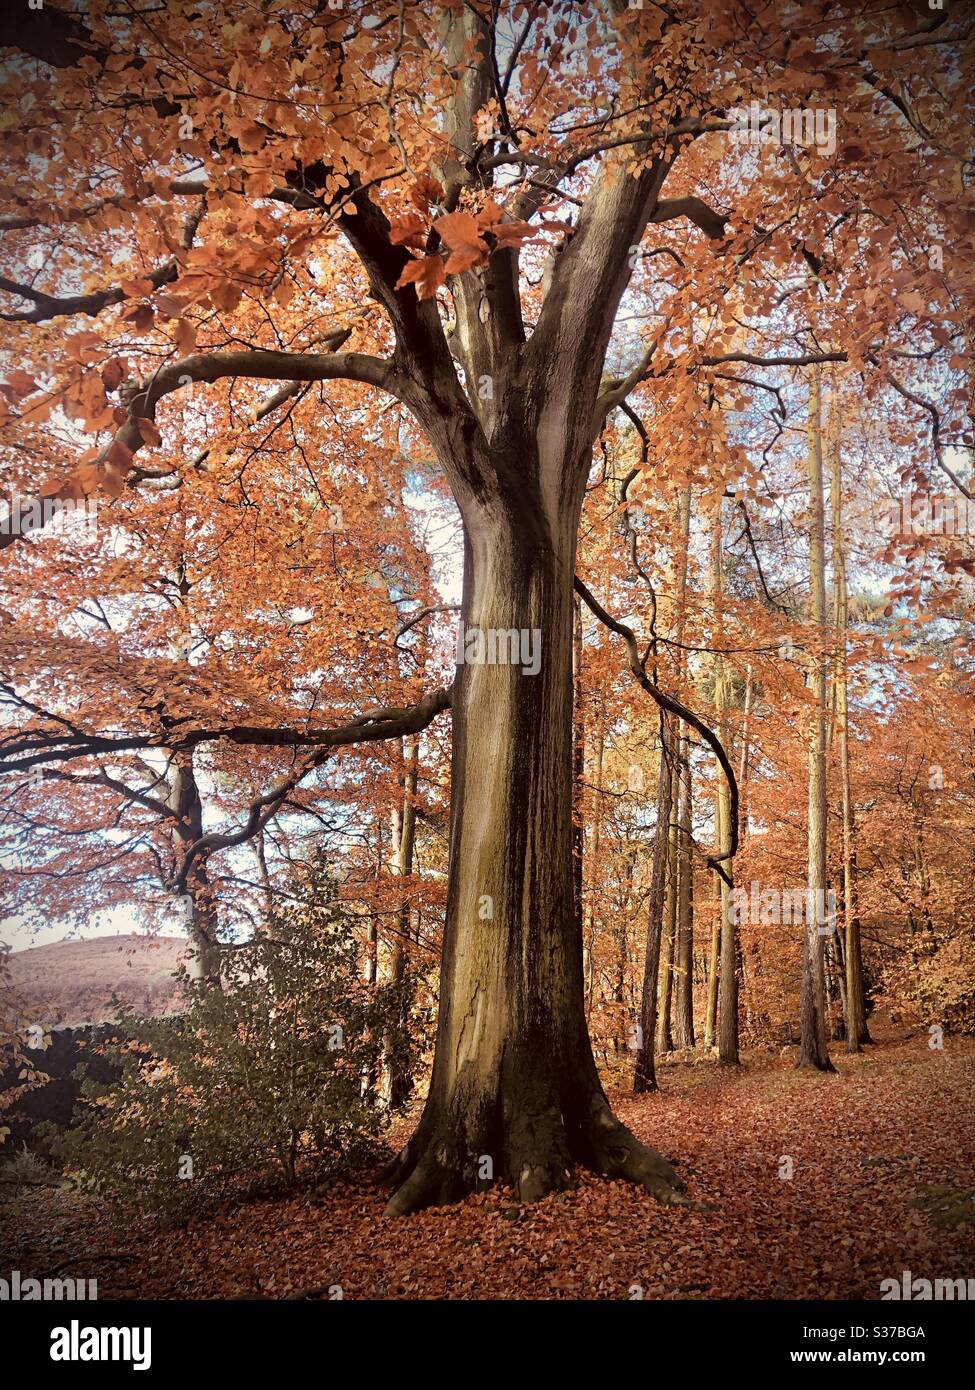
883, 1180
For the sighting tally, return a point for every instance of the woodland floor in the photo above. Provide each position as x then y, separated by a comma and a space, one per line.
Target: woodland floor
884, 1180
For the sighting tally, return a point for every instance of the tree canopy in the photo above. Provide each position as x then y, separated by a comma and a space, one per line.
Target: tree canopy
326, 323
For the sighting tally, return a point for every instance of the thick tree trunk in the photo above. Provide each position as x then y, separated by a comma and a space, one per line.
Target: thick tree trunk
514, 1095
203, 961
578, 764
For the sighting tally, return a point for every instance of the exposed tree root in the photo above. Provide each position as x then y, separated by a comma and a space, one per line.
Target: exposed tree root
538, 1155
617, 1154
810, 1064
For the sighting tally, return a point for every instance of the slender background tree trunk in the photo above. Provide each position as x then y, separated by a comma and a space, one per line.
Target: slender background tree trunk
855, 1003
684, 957
813, 1051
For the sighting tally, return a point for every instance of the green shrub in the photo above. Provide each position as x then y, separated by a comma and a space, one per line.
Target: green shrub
19, 1072
255, 1087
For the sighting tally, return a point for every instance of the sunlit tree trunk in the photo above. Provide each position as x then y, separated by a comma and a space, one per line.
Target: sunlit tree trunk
514, 1094
684, 955
854, 1002
203, 959
664, 1041
726, 976
813, 1023
644, 1074
186, 804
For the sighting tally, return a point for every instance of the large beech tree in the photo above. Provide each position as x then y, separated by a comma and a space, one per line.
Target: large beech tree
439, 210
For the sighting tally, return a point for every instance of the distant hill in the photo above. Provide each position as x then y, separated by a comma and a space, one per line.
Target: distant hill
73, 981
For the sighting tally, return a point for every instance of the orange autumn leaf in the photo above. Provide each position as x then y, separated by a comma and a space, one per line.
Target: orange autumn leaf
425, 191
427, 273
461, 232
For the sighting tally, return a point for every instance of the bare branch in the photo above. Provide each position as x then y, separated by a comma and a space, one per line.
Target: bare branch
673, 706
379, 724
52, 306
20, 751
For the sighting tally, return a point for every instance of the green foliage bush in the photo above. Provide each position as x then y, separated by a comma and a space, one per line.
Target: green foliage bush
255, 1087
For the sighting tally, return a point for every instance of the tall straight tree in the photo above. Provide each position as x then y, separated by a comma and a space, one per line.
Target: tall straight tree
683, 1024
644, 1073
856, 1017
664, 1039
813, 1022
683, 1027
727, 993
396, 1083
669, 940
